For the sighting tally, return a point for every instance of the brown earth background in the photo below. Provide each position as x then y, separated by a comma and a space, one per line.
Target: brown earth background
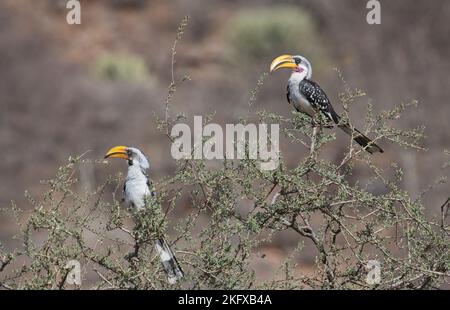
57, 97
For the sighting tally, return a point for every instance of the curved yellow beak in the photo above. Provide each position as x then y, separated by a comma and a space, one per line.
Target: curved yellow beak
283, 61
119, 151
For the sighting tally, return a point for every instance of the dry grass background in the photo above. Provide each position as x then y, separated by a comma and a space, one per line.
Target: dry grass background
53, 105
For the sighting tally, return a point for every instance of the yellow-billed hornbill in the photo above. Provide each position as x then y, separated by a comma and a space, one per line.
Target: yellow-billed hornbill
137, 191
306, 96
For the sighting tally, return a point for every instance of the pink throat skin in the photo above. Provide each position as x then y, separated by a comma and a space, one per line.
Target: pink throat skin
298, 69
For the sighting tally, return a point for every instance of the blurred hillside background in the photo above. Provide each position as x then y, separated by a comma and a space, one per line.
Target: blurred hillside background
68, 89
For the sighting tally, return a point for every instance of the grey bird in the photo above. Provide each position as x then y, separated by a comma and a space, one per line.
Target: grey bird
137, 190
306, 96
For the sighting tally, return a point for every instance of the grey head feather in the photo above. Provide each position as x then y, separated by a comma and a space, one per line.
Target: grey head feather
138, 158
306, 63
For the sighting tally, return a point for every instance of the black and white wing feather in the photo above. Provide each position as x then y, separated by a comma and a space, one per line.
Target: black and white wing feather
318, 99
288, 94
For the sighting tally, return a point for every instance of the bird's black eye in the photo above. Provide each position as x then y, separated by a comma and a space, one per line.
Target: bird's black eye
297, 61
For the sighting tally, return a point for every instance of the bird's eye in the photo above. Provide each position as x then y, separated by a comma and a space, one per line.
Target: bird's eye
297, 61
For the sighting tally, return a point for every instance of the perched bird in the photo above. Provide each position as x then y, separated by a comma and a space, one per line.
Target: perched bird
137, 191
306, 96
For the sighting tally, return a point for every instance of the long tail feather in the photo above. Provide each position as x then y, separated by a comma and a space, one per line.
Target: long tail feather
361, 139
358, 136
168, 261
